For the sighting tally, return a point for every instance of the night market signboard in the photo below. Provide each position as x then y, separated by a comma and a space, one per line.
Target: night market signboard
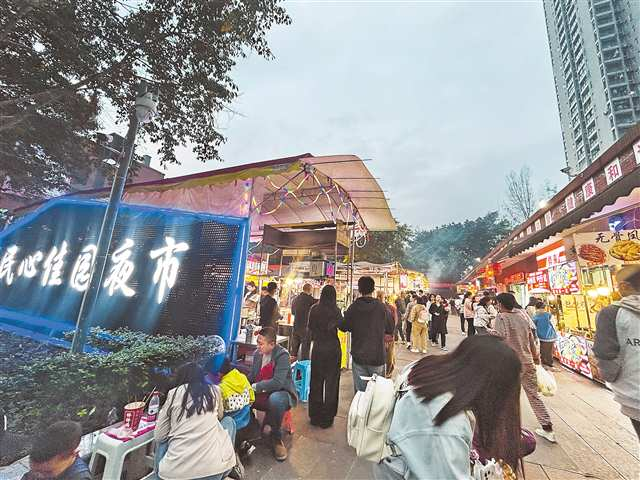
168, 271
608, 248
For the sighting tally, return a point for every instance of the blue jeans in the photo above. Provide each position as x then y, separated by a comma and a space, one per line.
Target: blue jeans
228, 423
358, 371
277, 404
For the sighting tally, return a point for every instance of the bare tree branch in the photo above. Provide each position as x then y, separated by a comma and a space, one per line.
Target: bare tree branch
520, 201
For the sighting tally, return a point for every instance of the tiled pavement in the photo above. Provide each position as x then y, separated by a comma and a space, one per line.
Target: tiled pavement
594, 439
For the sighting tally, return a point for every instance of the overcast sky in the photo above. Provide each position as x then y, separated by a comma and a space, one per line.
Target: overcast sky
446, 97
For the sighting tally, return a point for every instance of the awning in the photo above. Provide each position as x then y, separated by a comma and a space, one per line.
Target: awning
293, 190
619, 189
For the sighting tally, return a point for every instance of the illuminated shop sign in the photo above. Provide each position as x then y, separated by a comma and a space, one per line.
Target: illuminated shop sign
167, 271
54, 270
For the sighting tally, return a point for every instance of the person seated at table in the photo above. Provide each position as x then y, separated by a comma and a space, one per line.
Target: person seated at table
193, 438
54, 454
235, 387
272, 381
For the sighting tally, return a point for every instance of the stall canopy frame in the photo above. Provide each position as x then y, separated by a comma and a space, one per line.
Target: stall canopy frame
293, 190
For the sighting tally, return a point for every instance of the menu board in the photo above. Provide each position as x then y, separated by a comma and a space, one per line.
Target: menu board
563, 279
573, 352
569, 312
610, 248
583, 313
574, 311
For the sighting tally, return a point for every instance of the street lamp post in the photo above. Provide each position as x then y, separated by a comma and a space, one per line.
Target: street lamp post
146, 106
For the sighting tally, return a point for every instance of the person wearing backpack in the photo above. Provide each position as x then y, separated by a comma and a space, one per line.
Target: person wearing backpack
366, 319
617, 344
445, 397
407, 319
420, 321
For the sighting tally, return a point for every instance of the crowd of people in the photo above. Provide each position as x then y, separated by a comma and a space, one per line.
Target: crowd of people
453, 409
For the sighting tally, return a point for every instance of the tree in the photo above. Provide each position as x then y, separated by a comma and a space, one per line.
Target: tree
386, 247
547, 190
520, 197
445, 252
62, 62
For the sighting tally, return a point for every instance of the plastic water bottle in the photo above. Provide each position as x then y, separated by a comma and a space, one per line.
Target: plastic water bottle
154, 406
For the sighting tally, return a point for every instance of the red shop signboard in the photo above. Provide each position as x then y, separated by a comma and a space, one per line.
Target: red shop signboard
538, 279
518, 277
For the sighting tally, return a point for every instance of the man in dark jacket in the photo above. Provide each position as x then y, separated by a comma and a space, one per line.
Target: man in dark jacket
300, 337
269, 313
401, 308
366, 319
271, 379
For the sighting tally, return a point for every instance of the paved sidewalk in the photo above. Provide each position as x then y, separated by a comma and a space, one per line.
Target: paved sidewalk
594, 439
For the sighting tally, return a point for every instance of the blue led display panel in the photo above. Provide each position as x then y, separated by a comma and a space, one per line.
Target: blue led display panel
168, 271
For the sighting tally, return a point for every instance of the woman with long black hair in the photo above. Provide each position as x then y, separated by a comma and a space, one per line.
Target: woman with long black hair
193, 440
432, 429
326, 357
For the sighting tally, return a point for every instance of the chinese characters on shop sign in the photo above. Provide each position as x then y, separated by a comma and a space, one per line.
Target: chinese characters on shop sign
606, 237
53, 265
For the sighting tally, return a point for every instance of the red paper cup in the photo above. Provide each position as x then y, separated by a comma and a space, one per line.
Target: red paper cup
133, 414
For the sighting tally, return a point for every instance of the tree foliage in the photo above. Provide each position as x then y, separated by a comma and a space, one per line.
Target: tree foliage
385, 247
84, 388
445, 252
62, 62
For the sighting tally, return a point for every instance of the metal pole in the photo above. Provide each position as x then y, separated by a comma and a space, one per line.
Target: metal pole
146, 104
335, 256
104, 240
350, 267
260, 272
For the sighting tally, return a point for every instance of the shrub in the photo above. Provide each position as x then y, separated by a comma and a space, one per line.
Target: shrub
87, 387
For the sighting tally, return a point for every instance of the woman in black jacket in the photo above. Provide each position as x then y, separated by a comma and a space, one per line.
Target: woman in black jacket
326, 356
439, 311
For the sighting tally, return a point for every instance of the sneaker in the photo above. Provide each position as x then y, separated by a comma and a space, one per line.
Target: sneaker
279, 450
237, 472
424, 351
414, 350
444, 349
547, 434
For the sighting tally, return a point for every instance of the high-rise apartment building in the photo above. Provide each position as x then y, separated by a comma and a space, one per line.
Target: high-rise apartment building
595, 53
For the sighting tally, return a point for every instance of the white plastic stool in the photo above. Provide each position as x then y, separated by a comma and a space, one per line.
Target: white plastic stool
115, 452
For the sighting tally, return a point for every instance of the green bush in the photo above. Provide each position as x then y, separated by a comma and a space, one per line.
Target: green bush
86, 387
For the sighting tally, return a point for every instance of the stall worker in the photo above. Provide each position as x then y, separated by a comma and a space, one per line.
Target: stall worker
301, 338
269, 311
272, 381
